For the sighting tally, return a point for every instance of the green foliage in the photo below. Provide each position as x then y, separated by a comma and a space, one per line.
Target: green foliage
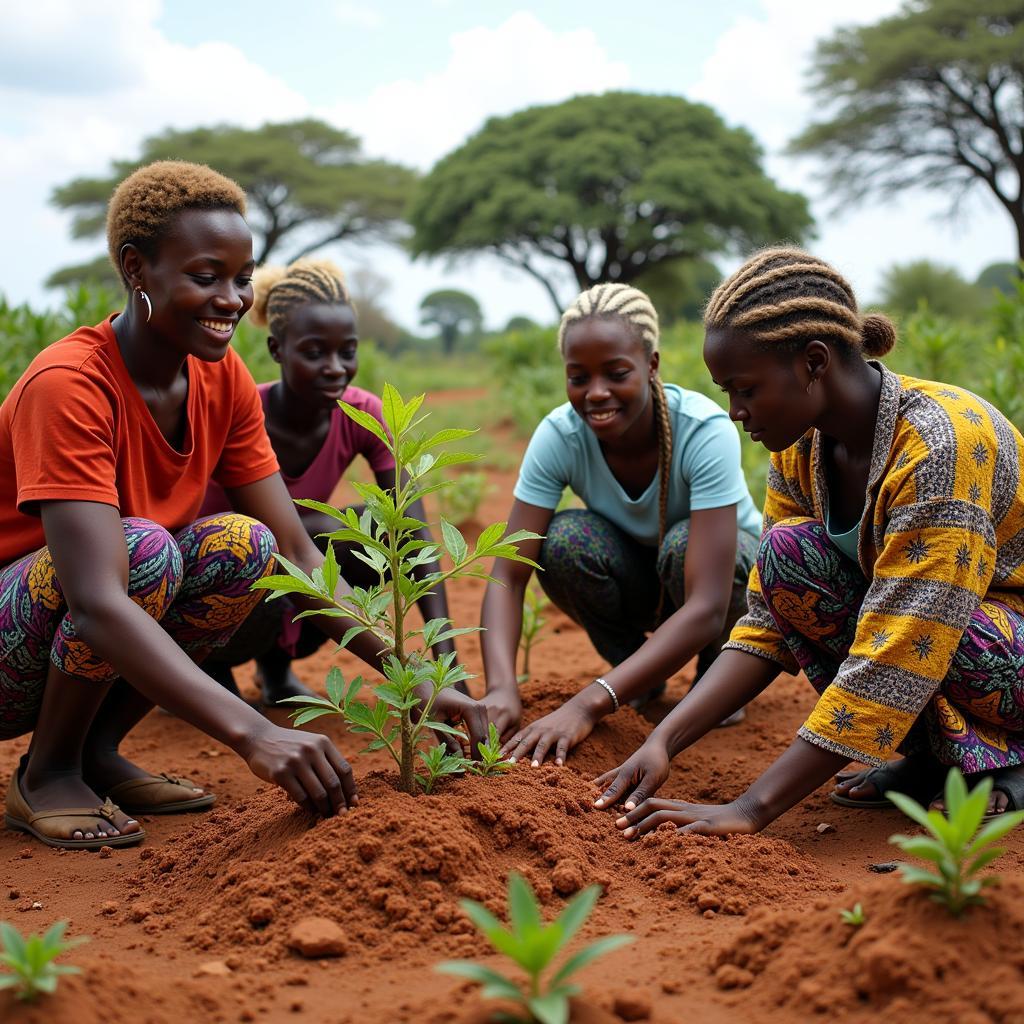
679, 290
930, 97
1004, 277
534, 602
609, 186
533, 947
461, 500
854, 917
29, 962
490, 762
908, 286
308, 184
454, 313
386, 538
954, 844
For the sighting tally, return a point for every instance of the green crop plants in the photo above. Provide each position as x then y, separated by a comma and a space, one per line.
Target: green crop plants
534, 602
29, 962
386, 537
853, 917
533, 946
954, 844
460, 501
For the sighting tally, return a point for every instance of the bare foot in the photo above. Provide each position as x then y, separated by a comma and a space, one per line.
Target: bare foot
48, 791
911, 775
1000, 799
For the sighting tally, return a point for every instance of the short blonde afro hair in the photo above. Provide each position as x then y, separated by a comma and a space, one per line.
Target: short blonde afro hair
279, 290
148, 199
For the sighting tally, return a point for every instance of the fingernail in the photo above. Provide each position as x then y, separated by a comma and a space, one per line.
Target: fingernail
536, 763
558, 760
629, 831
631, 805
599, 802
619, 822
511, 760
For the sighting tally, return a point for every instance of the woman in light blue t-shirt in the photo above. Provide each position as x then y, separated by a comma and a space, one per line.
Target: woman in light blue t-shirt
663, 545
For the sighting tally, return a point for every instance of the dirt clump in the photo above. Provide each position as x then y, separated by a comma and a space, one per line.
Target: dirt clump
910, 959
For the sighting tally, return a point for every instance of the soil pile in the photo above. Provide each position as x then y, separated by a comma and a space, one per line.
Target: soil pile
910, 960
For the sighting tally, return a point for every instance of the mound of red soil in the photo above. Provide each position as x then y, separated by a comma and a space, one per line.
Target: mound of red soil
910, 959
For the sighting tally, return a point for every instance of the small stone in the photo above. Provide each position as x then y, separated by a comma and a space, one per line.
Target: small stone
261, 911
634, 1006
885, 867
36, 905
25, 853
106, 851
825, 827
315, 937
671, 987
146, 854
140, 912
109, 908
214, 969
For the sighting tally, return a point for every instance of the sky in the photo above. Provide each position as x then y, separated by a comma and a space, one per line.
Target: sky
83, 83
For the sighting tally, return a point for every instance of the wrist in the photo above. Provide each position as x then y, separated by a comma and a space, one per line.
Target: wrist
242, 737
753, 810
595, 701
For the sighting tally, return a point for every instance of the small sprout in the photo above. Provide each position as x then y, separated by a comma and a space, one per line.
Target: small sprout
854, 917
954, 844
533, 622
491, 762
29, 961
533, 945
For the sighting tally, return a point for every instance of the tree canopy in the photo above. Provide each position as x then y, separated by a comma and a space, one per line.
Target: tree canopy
608, 185
454, 313
932, 97
942, 289
308, 184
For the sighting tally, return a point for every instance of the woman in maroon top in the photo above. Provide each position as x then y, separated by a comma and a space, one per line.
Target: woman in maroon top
314, 338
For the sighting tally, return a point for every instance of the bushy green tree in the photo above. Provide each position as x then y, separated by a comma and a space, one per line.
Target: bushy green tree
308, 184
1004, 277
608, 186
906, 286
454, 313
932, 96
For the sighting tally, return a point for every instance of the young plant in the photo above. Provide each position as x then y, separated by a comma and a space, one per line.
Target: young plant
533, 622
533, 945
854, 917
387, 537
491, 762
29, 961
954, 844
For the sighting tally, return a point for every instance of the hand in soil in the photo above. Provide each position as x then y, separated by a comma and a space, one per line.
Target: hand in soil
306, 766
454, 706
561, 730
505, 710
645, 770
703, 819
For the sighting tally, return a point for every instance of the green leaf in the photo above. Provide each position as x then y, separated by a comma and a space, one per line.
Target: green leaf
589, 954
482, 976
454, 542
340, 514
524, 914
578, 909
911, 808
300, 718
550, 1008
983, 860
921, 846
995, 829
919, 876
367, 422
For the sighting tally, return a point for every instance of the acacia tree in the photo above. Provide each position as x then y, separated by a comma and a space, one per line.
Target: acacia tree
308, 185
608, 185
932, 96
453, 313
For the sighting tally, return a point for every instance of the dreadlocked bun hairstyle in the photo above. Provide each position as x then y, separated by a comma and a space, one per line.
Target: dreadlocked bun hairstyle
144, 204
278, 290
635, 309
786, 297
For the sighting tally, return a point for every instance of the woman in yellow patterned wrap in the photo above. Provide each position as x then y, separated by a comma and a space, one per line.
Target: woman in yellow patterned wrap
890, 570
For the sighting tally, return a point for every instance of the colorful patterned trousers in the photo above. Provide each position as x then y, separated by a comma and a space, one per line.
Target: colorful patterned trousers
814, 593
610, 584
196, 583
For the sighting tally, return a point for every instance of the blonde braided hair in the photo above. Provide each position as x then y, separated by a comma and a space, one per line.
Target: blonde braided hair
635, 308
785, 296
278, 290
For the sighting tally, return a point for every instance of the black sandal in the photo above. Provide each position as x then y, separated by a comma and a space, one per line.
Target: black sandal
891, 776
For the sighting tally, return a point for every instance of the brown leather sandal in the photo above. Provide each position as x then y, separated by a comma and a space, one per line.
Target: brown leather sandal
159, 794
53, 826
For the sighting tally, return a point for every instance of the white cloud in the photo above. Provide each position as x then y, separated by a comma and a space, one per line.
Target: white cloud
757, 77
490, 71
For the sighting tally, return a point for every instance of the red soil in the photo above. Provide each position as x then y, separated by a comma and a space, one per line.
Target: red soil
196, 923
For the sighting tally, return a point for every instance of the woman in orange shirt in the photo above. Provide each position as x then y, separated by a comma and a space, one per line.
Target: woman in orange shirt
111, 592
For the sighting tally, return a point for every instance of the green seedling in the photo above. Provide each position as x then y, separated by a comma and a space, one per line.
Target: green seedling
854, 917
954, 844
533, 622
533, 946
491, 762
387, 538
30, 961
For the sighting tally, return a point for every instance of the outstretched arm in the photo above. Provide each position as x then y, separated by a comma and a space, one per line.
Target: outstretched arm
709, 569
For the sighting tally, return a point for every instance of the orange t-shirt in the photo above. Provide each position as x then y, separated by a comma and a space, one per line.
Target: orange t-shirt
75, 428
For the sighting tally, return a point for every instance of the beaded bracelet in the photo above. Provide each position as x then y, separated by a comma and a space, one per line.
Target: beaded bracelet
610, 691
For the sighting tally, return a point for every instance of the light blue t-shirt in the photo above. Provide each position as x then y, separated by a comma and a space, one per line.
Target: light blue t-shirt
706, 473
